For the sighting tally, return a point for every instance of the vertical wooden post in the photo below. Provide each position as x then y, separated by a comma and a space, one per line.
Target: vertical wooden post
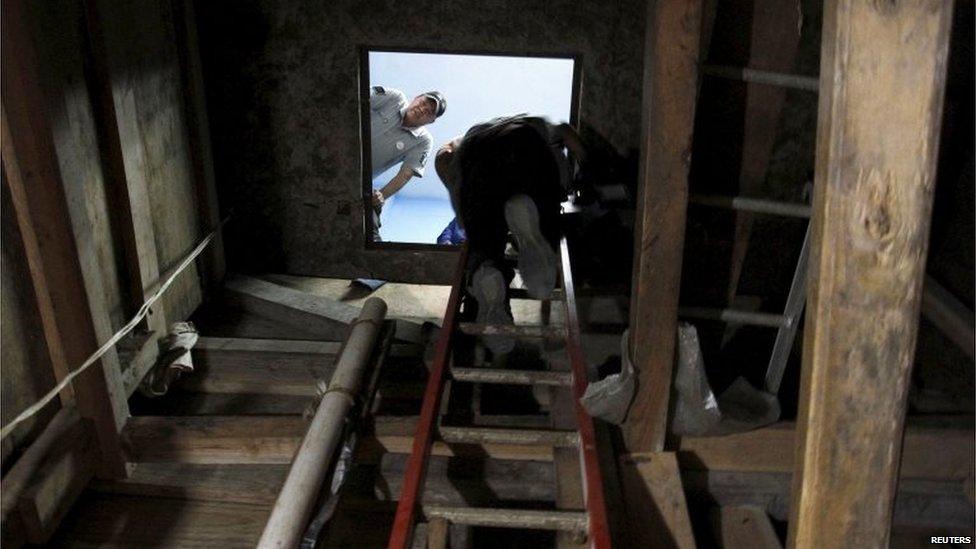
27, 138
882, 80
670, 90
212, 264
132, 212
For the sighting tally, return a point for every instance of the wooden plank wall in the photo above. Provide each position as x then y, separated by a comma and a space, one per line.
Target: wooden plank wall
97, 107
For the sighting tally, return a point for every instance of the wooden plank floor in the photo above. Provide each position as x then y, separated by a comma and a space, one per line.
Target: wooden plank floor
210, 457
111, 520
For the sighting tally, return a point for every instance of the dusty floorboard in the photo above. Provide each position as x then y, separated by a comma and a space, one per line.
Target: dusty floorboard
105, 520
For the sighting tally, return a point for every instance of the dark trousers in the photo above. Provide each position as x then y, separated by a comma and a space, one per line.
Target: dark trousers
377, 210
495, 166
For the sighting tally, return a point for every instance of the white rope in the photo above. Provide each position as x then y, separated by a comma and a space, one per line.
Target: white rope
143, 311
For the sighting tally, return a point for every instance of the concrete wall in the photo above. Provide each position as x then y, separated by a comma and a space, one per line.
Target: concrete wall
283, 81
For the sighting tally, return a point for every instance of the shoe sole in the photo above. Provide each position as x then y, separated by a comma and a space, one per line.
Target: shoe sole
536, 260
488, 288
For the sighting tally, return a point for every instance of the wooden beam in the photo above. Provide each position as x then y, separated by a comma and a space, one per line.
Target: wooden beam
305, 312
263, 377
106, 520
27, 138
656, 502
212, 263
438, 531
771, 449
327, 318
670, 89
35, 265
126, 181
743, 528
228, 439
185, 403
47, 479
882, 82
920, 502
228, 351
260, 366
274, 439
257, 484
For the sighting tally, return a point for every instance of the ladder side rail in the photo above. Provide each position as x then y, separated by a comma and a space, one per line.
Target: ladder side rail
596, 509
401, 536
786, 335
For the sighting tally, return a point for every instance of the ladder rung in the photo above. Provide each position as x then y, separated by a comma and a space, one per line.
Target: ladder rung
570, 521
550, 332
734, 316
512, 377
522, 293
808, 83
527, 437
756, 205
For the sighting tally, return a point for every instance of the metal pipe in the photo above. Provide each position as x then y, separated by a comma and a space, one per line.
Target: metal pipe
757, 205
738, 317
794, 81
297, 497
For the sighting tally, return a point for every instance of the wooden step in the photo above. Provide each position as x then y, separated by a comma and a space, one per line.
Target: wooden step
742, 527
268, 366
255, 484
315, 316
475, 481
214, 439
274, 440
134, 521
180, 402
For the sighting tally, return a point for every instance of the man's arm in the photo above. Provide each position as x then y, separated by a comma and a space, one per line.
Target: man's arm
571, 139
395, 184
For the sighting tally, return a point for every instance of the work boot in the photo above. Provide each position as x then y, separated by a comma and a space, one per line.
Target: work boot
488, 289
536, 259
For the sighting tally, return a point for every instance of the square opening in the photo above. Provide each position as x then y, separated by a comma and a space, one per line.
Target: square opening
475, 88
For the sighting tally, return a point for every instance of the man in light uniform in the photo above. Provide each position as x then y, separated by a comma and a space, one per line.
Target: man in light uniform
397, 135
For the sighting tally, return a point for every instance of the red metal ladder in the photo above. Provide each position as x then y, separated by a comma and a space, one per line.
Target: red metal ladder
590, 522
